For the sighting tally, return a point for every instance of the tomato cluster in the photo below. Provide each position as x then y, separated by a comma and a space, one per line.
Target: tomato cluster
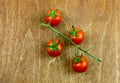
76, 35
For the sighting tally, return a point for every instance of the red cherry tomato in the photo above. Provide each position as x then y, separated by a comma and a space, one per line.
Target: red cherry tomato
54, 17
76, 35
80, 64
54, 48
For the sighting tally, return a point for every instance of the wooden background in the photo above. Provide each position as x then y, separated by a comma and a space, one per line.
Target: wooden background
22, 42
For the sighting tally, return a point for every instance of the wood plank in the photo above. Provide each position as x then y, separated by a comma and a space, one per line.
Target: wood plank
22, 42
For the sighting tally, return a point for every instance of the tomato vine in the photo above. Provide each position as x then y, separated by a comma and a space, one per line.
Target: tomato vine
69, 40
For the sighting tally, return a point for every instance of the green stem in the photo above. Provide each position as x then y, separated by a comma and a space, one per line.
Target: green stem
73, 27
90, 48
69, 40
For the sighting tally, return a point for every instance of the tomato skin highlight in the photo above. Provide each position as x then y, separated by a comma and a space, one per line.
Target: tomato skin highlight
57, 51
54, 18
80, 66
79, 38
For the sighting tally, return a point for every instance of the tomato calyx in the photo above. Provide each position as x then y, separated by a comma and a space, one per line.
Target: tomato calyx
54, 46
53, 13
77, 59
74, 32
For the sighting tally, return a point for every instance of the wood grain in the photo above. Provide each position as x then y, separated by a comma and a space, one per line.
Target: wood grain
22, 42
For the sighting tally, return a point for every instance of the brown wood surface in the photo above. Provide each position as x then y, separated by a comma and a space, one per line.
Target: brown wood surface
22, 42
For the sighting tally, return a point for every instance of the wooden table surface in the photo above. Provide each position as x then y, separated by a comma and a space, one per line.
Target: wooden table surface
22, 42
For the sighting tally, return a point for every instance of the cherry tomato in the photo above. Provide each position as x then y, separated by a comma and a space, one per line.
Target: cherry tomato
54, 48
54, 17
80, 64
76, 35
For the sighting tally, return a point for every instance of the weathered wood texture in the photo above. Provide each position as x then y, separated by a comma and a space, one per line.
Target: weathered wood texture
22, 42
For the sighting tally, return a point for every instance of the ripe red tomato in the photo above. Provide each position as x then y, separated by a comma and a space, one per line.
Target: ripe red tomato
54, 48
76, 35
80, 64
54, 17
